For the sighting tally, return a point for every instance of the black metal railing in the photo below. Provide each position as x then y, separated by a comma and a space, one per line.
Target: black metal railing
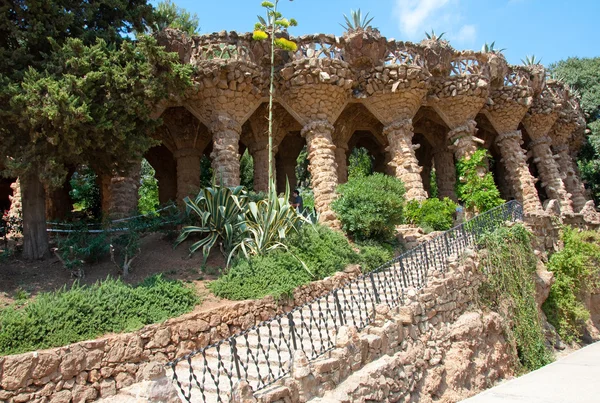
262, 354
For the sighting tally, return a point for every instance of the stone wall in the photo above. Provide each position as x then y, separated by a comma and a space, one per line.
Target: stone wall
99, 368
438, 346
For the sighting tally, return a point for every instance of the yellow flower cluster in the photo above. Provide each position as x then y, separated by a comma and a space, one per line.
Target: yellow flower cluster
286, 44
259, 35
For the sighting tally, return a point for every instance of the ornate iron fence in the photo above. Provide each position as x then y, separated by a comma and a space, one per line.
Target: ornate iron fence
262, 354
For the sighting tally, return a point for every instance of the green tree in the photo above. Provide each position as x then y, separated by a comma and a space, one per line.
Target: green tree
76, 92
269, 28
583, 75
168, 15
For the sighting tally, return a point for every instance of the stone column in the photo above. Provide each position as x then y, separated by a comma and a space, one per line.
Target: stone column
463, 140
549, 173
120, 193
570, 177
515, 162
188, 172
260, 155
341, 157
322, 168
225, 156
404, 162
445, 171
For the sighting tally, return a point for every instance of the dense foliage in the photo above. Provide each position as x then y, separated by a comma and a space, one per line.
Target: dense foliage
583, 75
277, 273
474, 188
85, 192
576, 271
247, 171
509, 264
431, 214
370, 207
148, 191
85, 312
360, 162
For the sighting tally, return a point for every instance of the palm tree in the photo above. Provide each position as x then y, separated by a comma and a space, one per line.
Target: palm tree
356, 22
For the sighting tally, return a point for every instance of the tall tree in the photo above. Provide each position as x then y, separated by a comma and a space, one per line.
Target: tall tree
74, 90
583, 75
169, 15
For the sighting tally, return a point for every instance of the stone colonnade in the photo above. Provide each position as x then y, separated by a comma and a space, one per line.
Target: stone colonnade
394, 82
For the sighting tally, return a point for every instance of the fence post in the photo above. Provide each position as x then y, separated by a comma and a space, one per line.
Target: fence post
338, 306
236, 358
377, 299
292, 330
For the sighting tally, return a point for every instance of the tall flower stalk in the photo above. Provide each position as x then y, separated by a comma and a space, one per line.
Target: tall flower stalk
265, 29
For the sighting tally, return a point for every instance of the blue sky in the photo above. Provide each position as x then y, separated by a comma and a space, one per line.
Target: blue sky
550, 29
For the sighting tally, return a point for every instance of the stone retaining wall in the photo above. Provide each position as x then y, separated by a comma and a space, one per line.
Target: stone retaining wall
437, 347
89, 370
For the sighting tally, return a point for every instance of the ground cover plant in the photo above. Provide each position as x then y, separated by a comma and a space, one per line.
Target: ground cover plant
509, 263
85, 312
313, 253
576, 271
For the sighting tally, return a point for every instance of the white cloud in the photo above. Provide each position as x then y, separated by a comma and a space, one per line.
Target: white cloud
415, 17
466, 34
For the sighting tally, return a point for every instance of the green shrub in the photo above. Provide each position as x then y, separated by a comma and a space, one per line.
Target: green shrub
431, 213
576, 270
277, 273
509, 264
85, 192
373, 255
478, 192
80, 247
85, 312
370, 207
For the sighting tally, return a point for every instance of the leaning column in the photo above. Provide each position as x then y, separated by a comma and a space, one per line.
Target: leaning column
225, 155
322, 167
404, 161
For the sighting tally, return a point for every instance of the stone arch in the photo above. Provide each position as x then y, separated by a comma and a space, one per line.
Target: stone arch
357, 125
373, 143
434, 152
255, 137
186, 138
165, 166
488, 134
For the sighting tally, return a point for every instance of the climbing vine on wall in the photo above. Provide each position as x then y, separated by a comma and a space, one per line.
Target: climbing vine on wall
509, 263
475, 188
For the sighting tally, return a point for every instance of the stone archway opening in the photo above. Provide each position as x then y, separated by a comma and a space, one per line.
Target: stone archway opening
187, 139
488, 134
365, 154
161, 159
434, 154
291, 163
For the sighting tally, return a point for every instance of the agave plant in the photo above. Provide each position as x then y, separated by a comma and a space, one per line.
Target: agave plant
489, 48
268, 223
531, 60
356, 22
221, 212
433, 36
